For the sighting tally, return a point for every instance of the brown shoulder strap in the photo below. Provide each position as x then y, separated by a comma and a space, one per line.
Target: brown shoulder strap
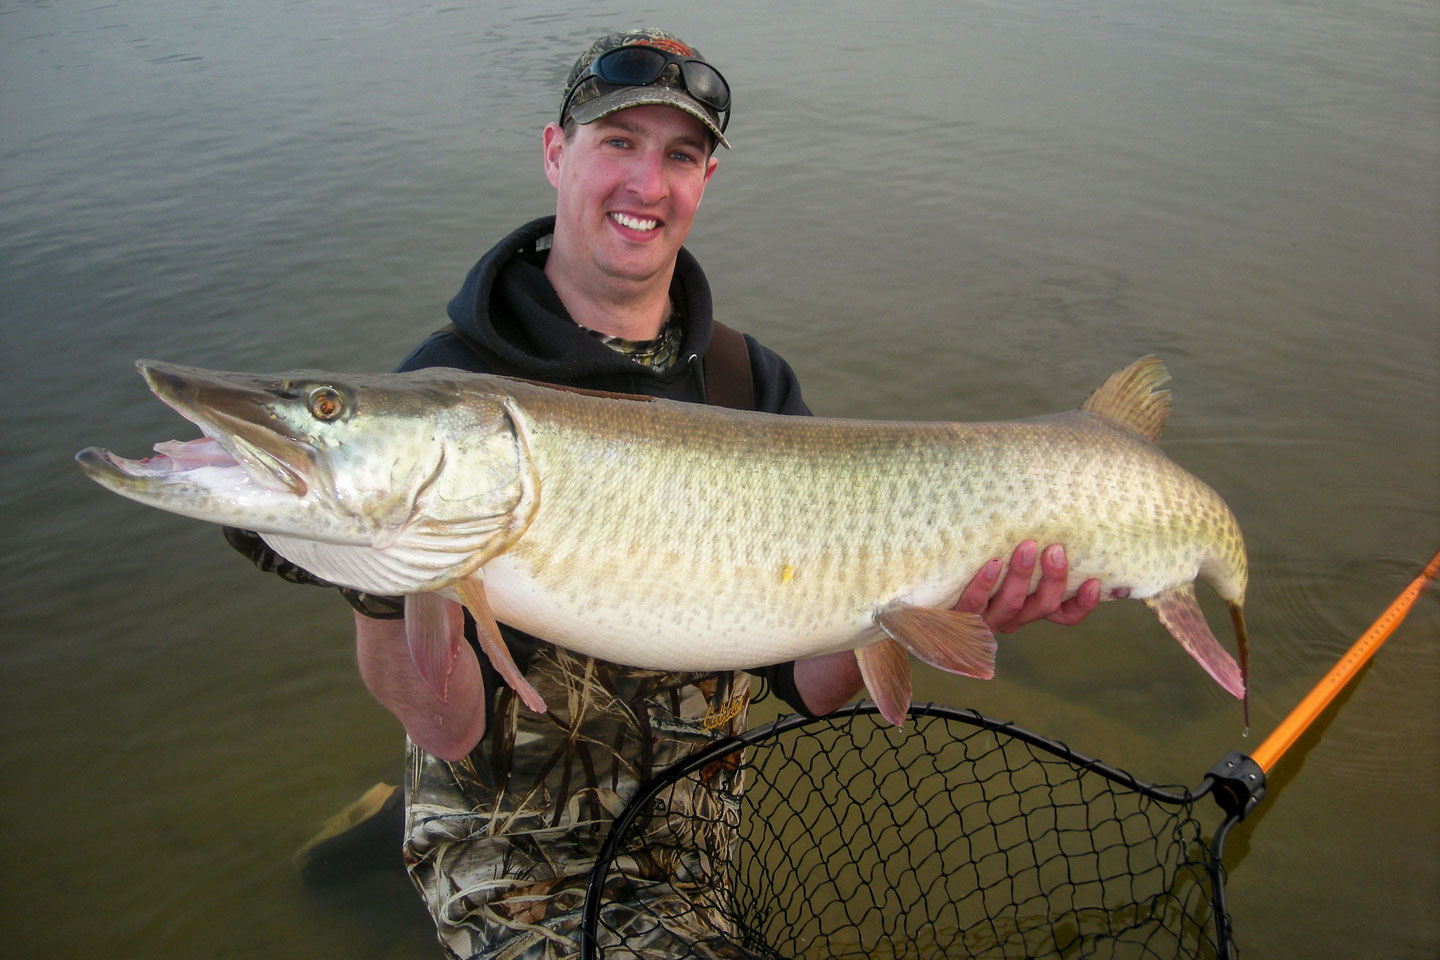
728, 380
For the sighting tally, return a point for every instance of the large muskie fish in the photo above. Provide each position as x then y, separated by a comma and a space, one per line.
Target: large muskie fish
684, 537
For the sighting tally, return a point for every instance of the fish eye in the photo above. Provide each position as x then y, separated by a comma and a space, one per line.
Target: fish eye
326, 403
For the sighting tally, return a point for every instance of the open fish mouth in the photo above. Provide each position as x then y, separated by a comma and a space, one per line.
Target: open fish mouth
191, 459
203, 463
223, 461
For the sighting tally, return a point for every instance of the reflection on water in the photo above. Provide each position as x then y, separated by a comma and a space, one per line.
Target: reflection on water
970, 211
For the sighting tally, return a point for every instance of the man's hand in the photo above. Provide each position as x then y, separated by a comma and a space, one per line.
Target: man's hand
1013, 605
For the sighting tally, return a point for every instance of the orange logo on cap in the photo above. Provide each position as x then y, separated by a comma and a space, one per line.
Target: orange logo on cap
669, 46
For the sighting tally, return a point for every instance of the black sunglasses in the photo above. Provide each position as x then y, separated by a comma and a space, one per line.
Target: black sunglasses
640, 66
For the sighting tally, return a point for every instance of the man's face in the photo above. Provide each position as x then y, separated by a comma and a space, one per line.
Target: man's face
628, 186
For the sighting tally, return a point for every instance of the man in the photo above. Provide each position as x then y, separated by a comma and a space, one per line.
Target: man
505, 809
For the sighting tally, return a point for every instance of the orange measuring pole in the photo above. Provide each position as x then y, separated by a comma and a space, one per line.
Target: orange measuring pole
1358, 655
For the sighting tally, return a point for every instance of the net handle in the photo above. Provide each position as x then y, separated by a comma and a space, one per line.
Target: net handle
1304, 714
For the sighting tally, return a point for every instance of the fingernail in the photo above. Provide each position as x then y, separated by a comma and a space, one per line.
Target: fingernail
1056, 555
1027, 553
991, 570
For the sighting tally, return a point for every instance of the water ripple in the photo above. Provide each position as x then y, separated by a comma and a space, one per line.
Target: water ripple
1386, 722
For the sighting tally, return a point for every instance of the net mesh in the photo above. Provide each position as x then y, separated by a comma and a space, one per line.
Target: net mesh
955, 836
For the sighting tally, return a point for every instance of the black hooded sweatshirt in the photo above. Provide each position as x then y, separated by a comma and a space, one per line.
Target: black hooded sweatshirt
507, 319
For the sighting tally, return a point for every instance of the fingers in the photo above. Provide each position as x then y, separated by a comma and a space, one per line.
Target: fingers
1004, 608
1049, 592
1013, 604
976, 595
1078, 607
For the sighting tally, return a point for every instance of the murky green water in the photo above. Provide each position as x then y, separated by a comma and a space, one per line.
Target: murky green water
934, 211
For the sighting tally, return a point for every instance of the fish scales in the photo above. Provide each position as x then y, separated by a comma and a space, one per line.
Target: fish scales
699, 538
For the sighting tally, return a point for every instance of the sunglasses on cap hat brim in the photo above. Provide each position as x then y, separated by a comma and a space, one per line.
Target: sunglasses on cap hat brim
640, 65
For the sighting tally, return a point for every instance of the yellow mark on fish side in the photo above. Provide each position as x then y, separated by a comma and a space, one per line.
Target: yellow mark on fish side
787, 573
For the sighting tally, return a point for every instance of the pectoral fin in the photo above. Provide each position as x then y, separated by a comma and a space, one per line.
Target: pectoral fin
885, 668
434, 632
472, 592
1180, 614
947, 639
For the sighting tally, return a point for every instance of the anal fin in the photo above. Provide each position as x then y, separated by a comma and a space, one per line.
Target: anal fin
948, 640
1179, 612
885, 668
472, 592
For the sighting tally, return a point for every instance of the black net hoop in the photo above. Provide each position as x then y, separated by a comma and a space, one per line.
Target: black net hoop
954, 836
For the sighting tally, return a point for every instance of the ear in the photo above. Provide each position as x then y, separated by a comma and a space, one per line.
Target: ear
710, 165
554, 140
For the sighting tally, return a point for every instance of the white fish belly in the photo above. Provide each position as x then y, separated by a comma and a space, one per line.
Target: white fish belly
674, 623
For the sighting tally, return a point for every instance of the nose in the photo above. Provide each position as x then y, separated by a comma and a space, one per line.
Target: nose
647, 177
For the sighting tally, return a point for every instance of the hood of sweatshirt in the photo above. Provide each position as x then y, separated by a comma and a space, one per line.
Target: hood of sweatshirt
508, 306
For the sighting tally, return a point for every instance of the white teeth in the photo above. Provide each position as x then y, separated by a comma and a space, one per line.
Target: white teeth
634, 223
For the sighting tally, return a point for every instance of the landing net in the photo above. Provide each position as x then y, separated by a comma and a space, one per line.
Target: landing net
954, 836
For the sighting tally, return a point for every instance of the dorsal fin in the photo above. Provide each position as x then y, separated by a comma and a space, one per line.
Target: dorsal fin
1132, 398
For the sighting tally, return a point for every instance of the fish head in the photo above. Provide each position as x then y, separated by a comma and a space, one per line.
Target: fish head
355, 460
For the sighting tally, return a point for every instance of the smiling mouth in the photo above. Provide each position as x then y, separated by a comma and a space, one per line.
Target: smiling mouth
635, 223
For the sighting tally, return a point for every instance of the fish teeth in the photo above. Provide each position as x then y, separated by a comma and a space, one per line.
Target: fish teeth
634, 223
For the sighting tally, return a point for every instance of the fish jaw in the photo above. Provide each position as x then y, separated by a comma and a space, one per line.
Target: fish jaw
221, 491
237, 412
248, 470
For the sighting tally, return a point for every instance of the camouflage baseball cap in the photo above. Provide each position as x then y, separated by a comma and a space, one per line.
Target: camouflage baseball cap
686, 81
